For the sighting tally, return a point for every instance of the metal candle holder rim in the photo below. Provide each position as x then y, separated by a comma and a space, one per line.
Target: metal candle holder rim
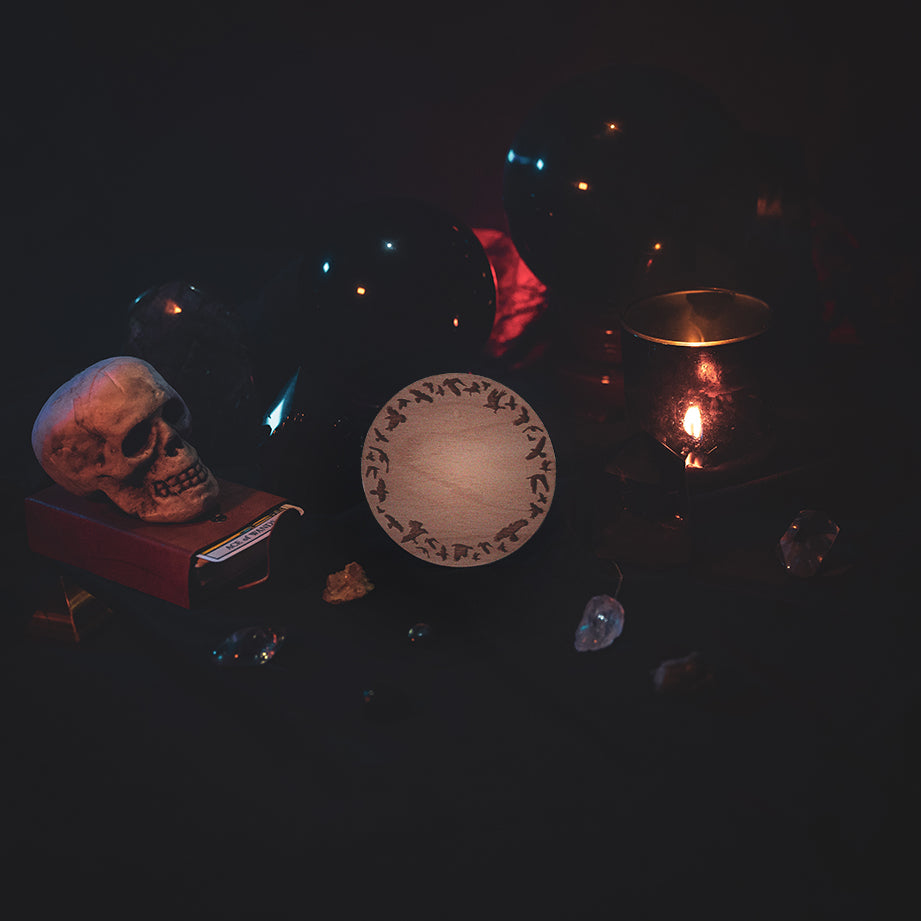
755, 305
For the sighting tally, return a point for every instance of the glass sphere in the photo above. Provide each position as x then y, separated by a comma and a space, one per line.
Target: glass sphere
389, 288
420, 634
386, 291
605, 169
311, 450
197, 342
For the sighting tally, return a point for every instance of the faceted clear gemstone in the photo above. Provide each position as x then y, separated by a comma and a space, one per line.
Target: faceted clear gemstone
249, 646
806, 542
420, 634
385, 701
602, 622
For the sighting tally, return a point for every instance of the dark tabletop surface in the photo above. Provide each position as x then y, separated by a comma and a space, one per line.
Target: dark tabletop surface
512, 777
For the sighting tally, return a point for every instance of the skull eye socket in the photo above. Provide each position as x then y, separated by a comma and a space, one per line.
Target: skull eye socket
136, 439
173, 410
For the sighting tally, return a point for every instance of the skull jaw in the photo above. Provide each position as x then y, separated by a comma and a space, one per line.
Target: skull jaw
176, 507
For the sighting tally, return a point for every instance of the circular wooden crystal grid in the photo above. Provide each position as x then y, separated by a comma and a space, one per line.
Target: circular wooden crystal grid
458, 470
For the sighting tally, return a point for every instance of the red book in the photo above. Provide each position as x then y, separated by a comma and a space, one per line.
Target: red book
180, 563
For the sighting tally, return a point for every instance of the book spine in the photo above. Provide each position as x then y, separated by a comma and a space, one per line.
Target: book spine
149, 566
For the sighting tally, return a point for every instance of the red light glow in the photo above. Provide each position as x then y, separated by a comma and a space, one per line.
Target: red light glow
708, 372
521, 296
769, 207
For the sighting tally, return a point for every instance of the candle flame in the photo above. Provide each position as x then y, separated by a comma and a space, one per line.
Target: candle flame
692, 422
172, 307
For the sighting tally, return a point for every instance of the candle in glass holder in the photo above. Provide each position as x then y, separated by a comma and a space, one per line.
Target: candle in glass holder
693, 371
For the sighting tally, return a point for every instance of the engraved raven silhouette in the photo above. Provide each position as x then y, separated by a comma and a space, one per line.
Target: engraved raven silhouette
393, 523
538, 449
381, 456
493, 401
415, 530
394, 418
536, 478
510, 531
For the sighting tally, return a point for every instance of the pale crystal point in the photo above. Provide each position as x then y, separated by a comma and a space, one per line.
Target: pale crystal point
806, 542
602, 622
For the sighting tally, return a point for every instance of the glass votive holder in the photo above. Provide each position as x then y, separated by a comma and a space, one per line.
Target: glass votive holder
694, 372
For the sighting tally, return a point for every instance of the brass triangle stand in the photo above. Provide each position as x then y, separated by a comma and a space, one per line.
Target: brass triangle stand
66, 611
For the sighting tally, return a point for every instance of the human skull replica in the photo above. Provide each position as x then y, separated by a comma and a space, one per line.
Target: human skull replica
117, 428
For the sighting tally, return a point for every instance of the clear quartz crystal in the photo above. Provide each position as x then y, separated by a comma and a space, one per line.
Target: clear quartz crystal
249, 646
602, 622
806, 542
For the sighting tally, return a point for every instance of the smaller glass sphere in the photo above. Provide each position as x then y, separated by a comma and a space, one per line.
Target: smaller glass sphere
606, 167
420, 634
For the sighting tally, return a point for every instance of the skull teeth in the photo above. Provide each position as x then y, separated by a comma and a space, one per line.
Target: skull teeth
174, 485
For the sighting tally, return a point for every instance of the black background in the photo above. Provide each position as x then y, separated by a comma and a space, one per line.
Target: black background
141, 142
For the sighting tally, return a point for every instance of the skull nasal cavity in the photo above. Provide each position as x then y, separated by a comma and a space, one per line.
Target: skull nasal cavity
173, 445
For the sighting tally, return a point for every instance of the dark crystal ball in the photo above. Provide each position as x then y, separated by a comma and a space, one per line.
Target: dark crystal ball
388, 291
606, 167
